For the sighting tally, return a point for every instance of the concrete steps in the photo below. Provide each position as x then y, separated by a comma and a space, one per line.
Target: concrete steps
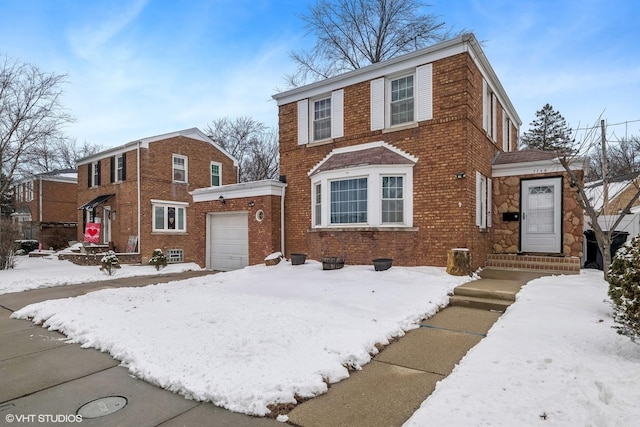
479, 303
536, 263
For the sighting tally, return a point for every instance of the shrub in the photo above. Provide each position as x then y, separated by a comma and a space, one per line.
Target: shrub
624, 288
109, 263
158, 259
28, 245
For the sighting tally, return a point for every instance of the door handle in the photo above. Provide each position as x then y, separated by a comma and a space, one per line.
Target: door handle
523, 216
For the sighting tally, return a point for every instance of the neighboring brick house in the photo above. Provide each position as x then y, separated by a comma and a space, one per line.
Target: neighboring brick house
396, 160
45, 207
139, 193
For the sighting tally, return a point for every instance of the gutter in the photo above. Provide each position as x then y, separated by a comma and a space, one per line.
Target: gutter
282, 220
138, 177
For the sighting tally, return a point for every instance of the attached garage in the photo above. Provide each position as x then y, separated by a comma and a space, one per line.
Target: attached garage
227, 240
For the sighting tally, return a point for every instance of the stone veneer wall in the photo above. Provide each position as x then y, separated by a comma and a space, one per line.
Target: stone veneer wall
506, 198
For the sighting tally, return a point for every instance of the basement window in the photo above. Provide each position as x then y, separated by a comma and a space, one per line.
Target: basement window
175, 255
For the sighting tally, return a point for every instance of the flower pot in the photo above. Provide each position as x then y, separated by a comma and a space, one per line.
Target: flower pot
298, 259
332, 263
381, 264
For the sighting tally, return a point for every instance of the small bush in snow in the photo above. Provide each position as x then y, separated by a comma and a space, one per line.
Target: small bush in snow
624, 288
158, 259
109, 263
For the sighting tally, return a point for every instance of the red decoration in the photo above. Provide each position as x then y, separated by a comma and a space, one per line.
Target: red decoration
92, 232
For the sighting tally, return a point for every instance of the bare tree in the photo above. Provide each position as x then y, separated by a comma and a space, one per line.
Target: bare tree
623, 158
595, 136
30, 113
351, 34
251, 142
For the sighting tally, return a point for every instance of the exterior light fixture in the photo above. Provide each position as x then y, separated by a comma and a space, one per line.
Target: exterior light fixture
222, 200
252, 204
460, 175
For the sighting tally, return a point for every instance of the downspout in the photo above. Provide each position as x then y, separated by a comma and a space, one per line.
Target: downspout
138, 177
282, 219
40, 199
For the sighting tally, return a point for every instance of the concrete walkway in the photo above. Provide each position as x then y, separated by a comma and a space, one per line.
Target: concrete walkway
43, 376
388, 390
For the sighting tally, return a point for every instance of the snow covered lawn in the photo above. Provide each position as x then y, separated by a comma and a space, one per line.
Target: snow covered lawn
253, 337
45, 272
551, 360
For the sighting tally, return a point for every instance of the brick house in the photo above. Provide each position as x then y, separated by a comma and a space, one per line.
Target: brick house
403, 159
139, 193
44, 206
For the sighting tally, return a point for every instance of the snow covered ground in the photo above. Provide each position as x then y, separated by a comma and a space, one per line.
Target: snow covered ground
552, 359
45, 272
262, 335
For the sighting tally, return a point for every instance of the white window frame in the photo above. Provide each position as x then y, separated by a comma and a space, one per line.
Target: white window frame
95, 173
174, 169
374, 174
305, 117
119, 162
29, 191
219, 165
166, 204
489, 111
388, 100
18, 192
483, 201
312, 118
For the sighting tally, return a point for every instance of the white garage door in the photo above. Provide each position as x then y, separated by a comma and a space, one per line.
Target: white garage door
228, 241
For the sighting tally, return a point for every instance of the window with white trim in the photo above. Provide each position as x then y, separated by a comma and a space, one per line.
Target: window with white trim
29, 191
371, 196
180, 168
95, 173
392, 200
483, 201
169, 216
321, 119
402, 99
216, 174
120, 167
18, 192
401, 105
489, 111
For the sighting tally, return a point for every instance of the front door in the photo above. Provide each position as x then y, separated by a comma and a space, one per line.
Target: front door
541, 216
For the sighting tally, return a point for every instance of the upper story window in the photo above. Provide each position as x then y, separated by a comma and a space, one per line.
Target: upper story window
180, 168
94, 174
18, 192
169, 216
401, 100
506, 132
28, 191
321, 118
119, 168
489, 111
483, 201
216, 174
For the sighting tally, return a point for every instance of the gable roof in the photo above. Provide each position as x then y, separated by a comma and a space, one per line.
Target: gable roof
373, 153
193, 133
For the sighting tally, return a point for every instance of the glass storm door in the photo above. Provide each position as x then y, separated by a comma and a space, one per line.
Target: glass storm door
541, 216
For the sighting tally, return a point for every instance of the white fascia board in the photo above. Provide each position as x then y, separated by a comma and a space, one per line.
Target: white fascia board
532, 168
116, 151
361, 147
362, 171
374, 71
66, 179
266, 187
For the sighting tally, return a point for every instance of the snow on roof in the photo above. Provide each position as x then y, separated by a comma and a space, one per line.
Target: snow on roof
594, 189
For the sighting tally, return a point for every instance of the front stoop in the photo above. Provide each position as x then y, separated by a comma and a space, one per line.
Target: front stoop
539, 263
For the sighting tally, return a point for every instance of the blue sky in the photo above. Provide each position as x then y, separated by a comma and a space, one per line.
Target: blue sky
140, 68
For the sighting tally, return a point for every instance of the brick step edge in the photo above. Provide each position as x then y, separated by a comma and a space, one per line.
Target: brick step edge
537, 266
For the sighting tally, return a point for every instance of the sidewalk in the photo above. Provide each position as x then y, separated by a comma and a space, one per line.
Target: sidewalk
43, 376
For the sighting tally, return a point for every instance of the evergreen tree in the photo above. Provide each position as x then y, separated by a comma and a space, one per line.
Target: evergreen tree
549, 132
6, 197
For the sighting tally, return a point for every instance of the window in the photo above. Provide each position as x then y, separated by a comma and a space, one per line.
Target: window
349, 201
317, 209
94, 174
216, 169
489, 111
392, 200
120, 167
29, 191
483, 201
175, 255
402, 100
322, 119
18, 192
169, 216
179, 168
